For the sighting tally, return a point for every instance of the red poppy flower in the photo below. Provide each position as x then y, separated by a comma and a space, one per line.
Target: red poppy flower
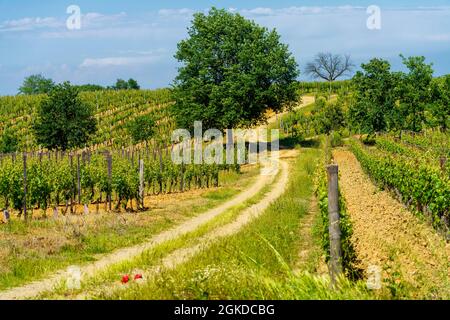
125, 279
138, 276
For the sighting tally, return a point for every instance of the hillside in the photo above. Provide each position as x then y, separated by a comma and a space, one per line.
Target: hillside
113, 110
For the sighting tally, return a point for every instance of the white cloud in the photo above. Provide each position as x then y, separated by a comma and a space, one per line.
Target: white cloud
94, 19
25, 24
89, 20
176, 12
259, 11
302, 10
125, 61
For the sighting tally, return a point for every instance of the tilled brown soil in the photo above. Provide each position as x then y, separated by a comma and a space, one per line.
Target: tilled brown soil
414, 259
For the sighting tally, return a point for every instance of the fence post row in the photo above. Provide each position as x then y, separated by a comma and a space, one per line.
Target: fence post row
335, 263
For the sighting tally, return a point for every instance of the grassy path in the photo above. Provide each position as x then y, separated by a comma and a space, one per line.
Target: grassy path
37, 287
414, 260
202, 242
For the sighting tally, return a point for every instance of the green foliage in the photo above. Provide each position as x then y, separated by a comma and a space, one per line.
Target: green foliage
233, 71
374, 97
330, 118
9, 141
125, 181
133, 85
89, 87
36, 84
121, 84
63, 121
142, 128
391, 101
440, 107
325, 117
415, 92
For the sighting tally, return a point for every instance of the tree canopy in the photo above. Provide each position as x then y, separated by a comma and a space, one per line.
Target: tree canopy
233, 71
440, 108
121, 84
415, 92
142, 128
36, 84
63, 121
386, 100
374, 96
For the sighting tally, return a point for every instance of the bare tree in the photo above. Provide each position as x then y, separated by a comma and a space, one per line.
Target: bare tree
329, 67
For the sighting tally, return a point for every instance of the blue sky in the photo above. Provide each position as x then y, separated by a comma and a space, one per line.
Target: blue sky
123, 39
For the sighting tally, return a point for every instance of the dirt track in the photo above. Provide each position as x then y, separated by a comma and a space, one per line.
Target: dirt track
37, 287
182, 255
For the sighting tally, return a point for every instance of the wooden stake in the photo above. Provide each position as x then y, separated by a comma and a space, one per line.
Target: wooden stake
141, 181
109, 179
335, 264
25, 186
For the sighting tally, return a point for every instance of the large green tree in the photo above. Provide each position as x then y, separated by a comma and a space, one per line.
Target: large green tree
415, 92
374, 97
36, 84
232, 71
64, 121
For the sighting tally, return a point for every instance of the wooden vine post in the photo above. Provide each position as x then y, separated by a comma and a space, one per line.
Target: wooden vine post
109, 157
72, 195
141, 182
335, 264
78, 179
442, 163
25, 186
182, 177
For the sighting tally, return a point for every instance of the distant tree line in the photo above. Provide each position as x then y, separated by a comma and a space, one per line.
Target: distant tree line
38, 84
